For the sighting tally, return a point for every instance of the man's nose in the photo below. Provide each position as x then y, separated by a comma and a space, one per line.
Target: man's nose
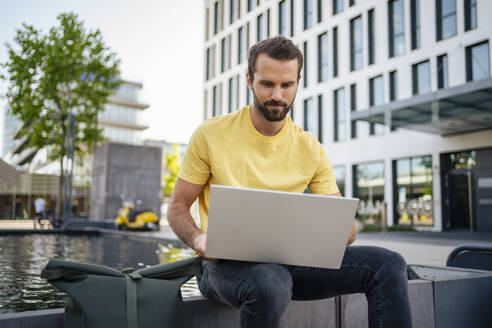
277, 94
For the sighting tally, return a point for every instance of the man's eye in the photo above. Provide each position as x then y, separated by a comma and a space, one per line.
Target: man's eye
266, 84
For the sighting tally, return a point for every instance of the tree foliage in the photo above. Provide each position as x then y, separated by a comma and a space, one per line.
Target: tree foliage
50, 76
68, 70
172, 164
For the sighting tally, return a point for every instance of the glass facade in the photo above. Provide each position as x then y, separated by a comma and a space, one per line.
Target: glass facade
308, 14
305, 69
370, 37
393, 85
396, 29
413, 190
353, 108
309, 116
442, 72
376, 98
369, 188
421, 78
356, 43
282, 18
320, 118
121, 115
339, 115
335, 51
323, 57
337, 6
241, 46
470, 14
445, 19
260, 28
415, 23
339, 171
478, 62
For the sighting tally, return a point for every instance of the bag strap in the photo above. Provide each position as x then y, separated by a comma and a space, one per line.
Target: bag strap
131, 299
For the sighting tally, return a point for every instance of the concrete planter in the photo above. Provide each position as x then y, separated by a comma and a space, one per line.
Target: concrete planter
446, 297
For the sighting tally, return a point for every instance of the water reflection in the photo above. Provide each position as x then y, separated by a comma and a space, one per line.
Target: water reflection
22, 258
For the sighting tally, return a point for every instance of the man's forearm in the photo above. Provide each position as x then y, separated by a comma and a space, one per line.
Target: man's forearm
182, 223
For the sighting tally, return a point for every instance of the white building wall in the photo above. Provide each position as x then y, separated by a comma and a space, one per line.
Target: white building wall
365, 148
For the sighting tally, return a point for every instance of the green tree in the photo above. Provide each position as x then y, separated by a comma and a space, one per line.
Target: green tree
172, 164
67, 70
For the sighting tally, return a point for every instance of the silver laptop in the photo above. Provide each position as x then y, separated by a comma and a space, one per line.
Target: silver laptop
278, 227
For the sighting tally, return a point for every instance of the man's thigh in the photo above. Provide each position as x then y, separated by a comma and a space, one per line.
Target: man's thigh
234, 282
354, 276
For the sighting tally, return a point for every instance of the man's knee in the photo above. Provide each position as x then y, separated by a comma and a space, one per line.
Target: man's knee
271, 289
392, 265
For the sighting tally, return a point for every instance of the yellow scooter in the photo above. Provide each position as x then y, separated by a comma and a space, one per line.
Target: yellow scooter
130, 218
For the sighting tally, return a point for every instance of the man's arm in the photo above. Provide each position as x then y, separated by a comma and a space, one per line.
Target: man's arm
179, 217
353, 232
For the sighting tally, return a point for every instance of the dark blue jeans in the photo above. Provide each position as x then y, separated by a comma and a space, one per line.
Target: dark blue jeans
263, 290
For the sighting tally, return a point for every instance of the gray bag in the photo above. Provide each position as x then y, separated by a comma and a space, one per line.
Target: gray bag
100, 296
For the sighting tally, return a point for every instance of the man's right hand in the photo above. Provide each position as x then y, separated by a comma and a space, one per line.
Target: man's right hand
200, 245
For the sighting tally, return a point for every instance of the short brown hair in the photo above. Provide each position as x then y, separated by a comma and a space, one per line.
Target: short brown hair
278, 47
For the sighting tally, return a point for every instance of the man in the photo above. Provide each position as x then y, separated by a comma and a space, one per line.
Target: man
39, 205
259, 147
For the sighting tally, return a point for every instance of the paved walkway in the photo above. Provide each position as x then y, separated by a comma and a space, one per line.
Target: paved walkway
427, 248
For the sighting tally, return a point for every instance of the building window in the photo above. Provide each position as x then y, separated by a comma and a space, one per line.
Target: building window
421, 78
339, 172
320, 11
339, 115
268, 24
247, 39
356, 43
442, 71
251, 4
225, 54
207, 63
413, 191
216, 17
249, 95
369, 188
233, 11
470, 14
396, 28
445, 19
337, 6
335, 51
477, 62
323, 57
260, 28
207, 23
292, 113
291, 18
205, 105
210, 70
309, 118
370, 36
351, 3
240, 45
320, 118
305, 55
231, 102
393, 85
415, 23
353, 108
308, 14
282, 18
217, 100
376, 98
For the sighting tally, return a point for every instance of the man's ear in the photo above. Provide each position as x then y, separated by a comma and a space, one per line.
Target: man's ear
249, 80
299, 79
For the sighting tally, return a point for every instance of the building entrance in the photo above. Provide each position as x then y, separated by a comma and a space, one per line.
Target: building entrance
460, 199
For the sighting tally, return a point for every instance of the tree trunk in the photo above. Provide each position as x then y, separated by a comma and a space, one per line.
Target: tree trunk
59, 204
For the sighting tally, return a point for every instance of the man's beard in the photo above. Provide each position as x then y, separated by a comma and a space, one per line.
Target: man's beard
272, 115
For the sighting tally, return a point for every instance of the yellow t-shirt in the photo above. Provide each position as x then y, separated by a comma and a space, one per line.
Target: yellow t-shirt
228, 150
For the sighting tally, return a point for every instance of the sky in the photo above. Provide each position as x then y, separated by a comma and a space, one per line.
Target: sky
159, 42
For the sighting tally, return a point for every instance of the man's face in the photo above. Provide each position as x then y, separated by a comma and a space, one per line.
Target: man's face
274, 86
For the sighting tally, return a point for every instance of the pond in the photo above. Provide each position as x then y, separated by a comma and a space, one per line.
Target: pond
23, 256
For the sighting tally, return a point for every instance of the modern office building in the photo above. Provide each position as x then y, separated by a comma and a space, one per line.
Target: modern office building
399, 92
122, 122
